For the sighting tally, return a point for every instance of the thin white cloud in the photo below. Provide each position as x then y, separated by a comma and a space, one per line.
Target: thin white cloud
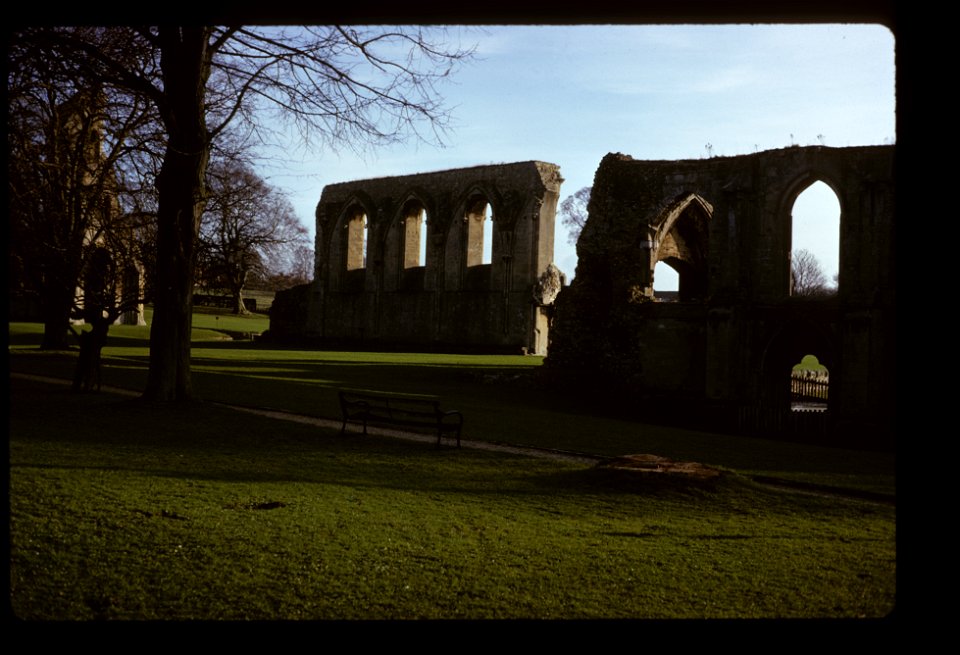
571, 94
726, 80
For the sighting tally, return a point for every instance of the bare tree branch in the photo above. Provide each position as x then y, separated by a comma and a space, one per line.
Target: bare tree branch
806, 275
249, 229
573, 213
339, 87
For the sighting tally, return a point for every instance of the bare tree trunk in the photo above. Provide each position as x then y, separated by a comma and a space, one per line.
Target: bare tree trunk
238, 306
181, 186
58, 285
236, 290
87, 377
56, 320
169, 375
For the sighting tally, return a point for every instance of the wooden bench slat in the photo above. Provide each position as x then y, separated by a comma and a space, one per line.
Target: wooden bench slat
396, 410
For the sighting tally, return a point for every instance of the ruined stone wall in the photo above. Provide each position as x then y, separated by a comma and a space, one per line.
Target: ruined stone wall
399, 260
725, 225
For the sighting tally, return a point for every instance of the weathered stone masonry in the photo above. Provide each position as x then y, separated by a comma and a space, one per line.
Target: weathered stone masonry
372, 286
725, 225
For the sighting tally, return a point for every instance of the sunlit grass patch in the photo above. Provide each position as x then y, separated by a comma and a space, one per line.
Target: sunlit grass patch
125, 509
122, 509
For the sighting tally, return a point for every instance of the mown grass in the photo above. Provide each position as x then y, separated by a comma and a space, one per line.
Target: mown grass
125, 510
221, 320
497, 394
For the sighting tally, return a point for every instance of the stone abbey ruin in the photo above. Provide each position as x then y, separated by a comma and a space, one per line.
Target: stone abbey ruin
400, 262
724, 351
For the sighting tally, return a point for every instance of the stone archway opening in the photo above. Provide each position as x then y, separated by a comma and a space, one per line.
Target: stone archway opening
405, 248
815, 242
487, 257
356, 226
666, 282
479, 230
681, 251
422, 239
809, 385
414, 234
796, 365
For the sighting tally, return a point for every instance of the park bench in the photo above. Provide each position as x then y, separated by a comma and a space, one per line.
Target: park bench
400, 411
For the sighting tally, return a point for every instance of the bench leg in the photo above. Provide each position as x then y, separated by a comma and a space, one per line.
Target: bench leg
440, 437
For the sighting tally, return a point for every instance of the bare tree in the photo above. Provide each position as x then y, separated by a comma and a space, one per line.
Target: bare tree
340, 86
110, 289
69, 141
573, 213
301, 265
248, 228
806, 275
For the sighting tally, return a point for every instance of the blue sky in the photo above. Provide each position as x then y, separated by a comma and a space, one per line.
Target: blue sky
571, 94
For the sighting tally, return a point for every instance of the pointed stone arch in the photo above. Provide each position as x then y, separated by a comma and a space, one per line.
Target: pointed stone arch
606, 339
679, 237
474, 204
349, 243
405, 247
797, 186
415, 214
786, 346
464, 260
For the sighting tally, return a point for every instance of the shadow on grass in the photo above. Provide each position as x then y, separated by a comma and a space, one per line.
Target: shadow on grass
499, 404
55, 429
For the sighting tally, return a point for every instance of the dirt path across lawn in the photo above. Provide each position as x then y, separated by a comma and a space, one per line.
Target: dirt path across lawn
335, 424
545, 453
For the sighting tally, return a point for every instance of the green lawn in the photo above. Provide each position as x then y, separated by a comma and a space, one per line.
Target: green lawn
125, 509
497, 394
223, 321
